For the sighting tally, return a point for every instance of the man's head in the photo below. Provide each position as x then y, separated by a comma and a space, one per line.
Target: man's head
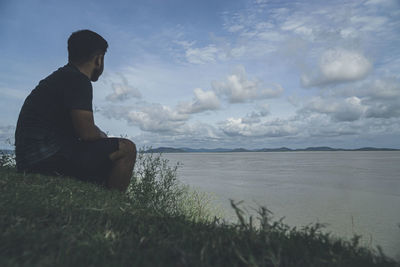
87, 49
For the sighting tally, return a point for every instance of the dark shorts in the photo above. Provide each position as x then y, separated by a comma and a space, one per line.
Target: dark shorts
85, 160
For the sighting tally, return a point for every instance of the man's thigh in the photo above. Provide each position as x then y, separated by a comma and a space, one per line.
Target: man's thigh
90, 160
85, 160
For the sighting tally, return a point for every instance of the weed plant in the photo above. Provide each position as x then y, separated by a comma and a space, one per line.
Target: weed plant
7, 160
154, 185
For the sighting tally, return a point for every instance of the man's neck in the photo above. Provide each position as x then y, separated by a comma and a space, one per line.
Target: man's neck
85, 69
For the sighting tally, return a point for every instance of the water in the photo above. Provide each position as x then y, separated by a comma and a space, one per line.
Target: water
353, 192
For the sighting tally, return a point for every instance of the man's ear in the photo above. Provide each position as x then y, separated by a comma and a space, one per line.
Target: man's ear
98, 60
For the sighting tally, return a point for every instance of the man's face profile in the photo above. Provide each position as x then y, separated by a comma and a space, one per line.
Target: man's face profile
97, 71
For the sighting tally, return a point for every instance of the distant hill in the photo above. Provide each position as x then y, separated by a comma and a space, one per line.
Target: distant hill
227, 150
375, 149
240, 150
187, 149
321, 148
281, 149
165, 150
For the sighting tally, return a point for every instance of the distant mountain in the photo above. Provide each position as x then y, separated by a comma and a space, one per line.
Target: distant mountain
224, 150
321, 148
240, 150
195, 150
281, 149
165, 150
375, 149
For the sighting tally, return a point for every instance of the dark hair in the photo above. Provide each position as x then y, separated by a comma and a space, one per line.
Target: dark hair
85, 44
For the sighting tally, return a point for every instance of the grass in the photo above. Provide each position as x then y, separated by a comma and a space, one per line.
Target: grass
59, 221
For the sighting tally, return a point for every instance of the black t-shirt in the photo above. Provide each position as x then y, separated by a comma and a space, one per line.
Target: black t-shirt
44, 123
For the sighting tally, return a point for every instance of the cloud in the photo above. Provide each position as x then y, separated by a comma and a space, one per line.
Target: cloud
7, 135
384, 89
384, 110
381, 96
238, 89
156, 118
198, 55
237, 127
319, 125
150, 117
256, 116
338, 66
348, 109
369, 23
380, 2
202, 55
123, 91
202, 101
235, 28
198, 135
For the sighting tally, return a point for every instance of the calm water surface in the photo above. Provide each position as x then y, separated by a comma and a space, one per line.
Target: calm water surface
353, 192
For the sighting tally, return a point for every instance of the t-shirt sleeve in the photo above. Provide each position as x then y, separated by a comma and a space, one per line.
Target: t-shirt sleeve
78, 95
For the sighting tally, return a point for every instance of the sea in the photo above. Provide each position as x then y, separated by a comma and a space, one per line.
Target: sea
351, 192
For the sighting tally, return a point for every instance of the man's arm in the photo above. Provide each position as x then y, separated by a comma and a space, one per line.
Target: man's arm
83, 123
102, 134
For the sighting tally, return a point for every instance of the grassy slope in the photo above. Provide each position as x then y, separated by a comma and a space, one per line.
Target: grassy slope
49, 221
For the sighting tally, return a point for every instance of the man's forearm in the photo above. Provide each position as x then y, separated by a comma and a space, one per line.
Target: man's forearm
102, 134
85, 128
94, 134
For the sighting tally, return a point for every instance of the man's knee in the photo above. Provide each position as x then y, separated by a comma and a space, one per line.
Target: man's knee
127, 147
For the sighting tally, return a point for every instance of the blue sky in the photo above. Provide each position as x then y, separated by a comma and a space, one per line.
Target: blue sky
213, 74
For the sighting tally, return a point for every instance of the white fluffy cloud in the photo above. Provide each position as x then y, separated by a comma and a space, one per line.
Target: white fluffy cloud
239, 89
150, 117
202, 101
123, 91
238, 127
337, 66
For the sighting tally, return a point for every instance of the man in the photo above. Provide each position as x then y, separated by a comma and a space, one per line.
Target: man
55, 132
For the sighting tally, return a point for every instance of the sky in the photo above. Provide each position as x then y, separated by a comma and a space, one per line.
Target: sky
219, 74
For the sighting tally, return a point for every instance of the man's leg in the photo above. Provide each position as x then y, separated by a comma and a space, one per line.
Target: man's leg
123, 161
